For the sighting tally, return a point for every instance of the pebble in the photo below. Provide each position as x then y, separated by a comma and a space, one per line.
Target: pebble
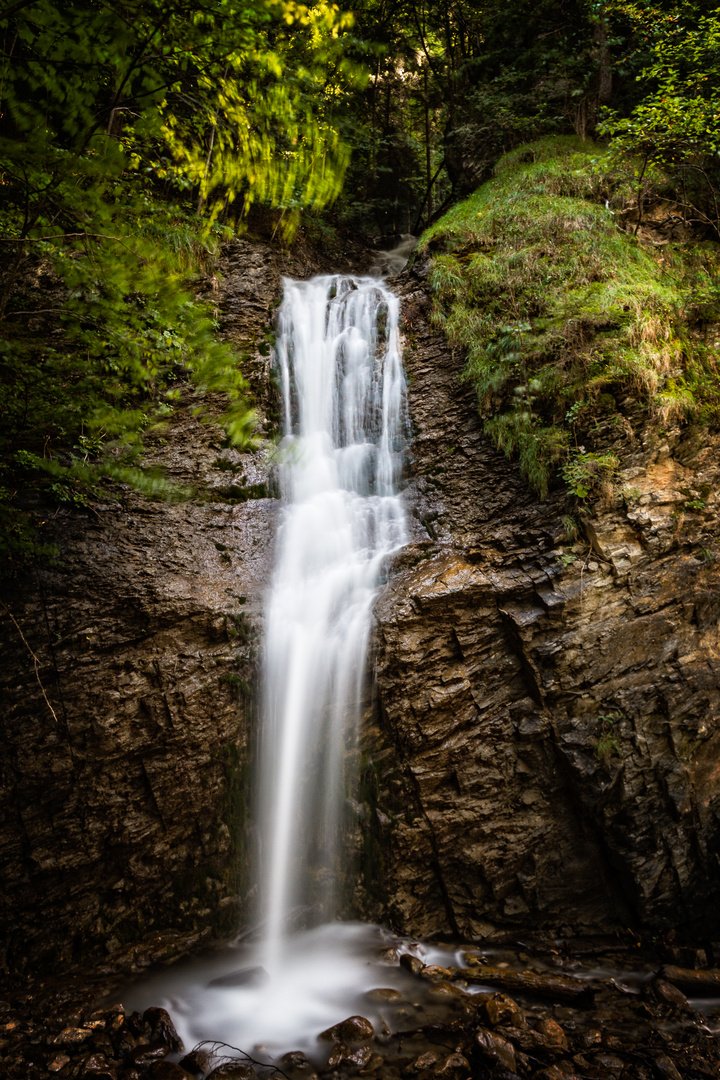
411, 963
355, 1029
496, 1049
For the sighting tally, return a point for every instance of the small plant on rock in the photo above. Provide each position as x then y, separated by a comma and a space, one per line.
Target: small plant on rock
607, 744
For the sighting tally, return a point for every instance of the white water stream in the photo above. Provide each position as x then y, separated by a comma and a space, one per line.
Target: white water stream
343, 392
344, 406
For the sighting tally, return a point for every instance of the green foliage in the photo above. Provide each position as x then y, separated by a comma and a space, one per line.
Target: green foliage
676, 124
127, 131
585, 473
563, 316
607, 744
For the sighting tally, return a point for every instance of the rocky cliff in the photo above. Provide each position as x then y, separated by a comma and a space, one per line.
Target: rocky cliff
544, 744
550, 706
128, 668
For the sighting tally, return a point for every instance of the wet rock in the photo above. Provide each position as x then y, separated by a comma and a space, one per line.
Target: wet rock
233, 1070
561, 1071
114, 1019
296, 1065
97, 1067
542, 985
343, 1056
609, 1064
435, 971
699, 983
125, 1043
411, 963
552, 1034
421, 1063
665, 1069
355, 1029
197, 1062
102, 1042
382, 994
661, 990
166, 1070
445, 991
72, 1036
453, 1065
501, 1009
389, 956
495, 1049
146, 1054
162, 1029
58, 1062
490, 639
375, 1063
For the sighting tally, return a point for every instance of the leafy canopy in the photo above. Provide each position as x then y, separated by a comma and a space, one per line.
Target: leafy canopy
128, 130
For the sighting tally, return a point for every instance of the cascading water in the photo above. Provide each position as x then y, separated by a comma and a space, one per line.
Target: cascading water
343, 392
344, 406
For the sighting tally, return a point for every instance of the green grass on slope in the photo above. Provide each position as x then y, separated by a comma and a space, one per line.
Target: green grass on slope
567, 321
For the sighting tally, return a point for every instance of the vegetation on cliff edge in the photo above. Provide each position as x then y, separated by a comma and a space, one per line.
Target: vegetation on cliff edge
569, 322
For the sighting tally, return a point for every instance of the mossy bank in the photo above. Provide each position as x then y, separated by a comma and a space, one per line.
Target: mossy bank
579, 316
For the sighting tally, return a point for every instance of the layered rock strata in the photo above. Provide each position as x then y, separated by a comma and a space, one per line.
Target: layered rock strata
550, 707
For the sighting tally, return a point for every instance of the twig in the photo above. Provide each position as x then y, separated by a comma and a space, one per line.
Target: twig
36, 662
214, 1046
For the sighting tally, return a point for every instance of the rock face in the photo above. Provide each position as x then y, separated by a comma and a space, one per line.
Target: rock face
545, 750
550, 709
126, 683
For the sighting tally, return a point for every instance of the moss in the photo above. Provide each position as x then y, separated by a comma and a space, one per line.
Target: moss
562, 315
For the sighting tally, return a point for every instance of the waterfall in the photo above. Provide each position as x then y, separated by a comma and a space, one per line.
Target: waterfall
343, 393
340, 460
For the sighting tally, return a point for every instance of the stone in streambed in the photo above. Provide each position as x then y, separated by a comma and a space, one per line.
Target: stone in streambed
384, 994
501, 1009
58, 1062
147, 1053
552, 1035
411, 963
197, 1061
434, 971
166, 1070
162, 1028
446, 992
376, 1062
295, 1065
356, 1029
72, 1036
233, 1070
389, 956
344, 1055
454, 1065
97, 1067
660, 990
495, 1049
420, 1064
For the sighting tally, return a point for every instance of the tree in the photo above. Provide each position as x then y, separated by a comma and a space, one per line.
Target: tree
674, 130
129, 129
